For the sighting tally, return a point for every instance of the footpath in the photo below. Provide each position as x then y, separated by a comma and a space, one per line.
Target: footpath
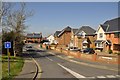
29, 69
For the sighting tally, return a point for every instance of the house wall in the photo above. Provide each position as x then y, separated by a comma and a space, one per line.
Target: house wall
51, 38
100, 30
33, 40
73, 40
76, 41
80, 42
90, 40
115, 41
101, 45
64, 39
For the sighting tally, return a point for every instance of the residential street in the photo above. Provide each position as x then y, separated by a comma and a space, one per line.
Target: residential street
56, 65
42, 40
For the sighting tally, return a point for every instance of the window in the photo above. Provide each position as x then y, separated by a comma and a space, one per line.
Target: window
100, 45
116, 47
101, 35
117, 35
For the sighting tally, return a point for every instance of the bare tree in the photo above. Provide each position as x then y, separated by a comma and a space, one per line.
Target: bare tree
15, 21
4, 9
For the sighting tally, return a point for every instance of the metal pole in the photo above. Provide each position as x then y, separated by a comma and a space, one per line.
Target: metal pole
8, 62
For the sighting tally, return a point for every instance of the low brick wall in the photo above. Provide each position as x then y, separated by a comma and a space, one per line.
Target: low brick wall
108, 58
88, 56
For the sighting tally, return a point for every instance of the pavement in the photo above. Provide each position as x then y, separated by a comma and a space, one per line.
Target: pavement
29, 69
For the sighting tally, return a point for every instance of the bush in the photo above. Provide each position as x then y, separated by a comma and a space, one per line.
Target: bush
117, 53
110, 51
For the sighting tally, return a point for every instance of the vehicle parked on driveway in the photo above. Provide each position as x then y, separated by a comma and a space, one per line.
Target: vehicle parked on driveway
88, 51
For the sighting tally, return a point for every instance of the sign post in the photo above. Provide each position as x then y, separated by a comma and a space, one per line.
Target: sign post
7, 46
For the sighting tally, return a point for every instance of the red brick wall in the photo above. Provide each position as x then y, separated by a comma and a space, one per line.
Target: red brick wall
79, 41
64, 39
33, 39
112, 39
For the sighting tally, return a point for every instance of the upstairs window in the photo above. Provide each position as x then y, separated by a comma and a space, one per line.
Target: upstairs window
117, 35
101, 35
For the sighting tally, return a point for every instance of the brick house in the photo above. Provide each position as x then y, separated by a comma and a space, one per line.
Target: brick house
72, 40
56, 36
63, 37
33, 37
108, 36
85, 37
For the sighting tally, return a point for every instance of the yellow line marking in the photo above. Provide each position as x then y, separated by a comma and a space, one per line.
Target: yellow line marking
39, 69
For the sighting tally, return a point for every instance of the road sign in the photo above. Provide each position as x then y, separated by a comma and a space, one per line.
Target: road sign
7, 45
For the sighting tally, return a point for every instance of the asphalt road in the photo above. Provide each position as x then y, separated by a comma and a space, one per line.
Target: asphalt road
53, 65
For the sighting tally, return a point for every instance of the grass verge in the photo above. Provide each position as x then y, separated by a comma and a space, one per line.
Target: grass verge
16, 64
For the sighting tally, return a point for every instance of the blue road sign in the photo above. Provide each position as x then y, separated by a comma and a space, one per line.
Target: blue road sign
7, 45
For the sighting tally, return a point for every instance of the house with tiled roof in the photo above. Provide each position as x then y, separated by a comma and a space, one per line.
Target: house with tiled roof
108, 36
33, 37
56, 36
72, 40
63, 37
85, 37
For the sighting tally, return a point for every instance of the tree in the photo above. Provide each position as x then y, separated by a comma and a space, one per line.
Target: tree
7, 36
15, 21
4, 9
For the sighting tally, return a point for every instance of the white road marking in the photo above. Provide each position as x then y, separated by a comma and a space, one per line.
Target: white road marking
51, 53
72, 72
49, 58
70, 56
111, 76
117, 75
90, 77
109, 58
101, 77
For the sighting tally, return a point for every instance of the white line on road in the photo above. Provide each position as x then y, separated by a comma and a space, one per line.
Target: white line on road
111, 76
51, 53
101, 77
71, 72
49, 58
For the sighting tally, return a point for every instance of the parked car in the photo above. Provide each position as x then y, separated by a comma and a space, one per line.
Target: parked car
73, 49
29, 48
89, 51
47, 43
